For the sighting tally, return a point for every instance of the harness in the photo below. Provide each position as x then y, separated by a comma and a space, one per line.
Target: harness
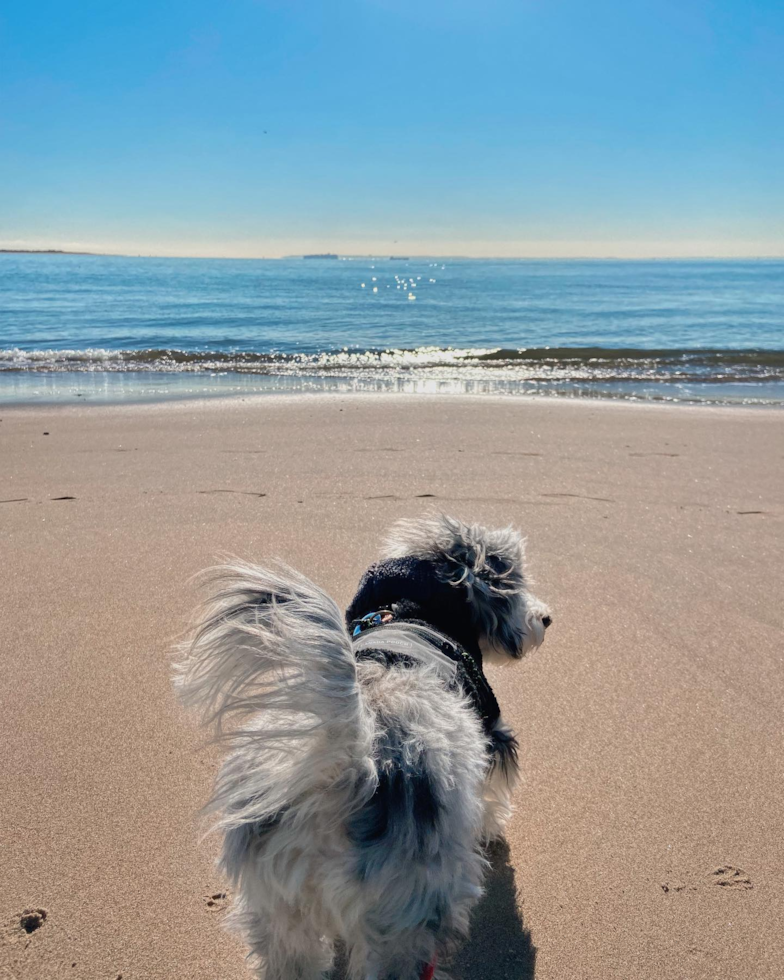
380, 637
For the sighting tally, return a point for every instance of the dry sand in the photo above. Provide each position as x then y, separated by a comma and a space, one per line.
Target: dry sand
648, 839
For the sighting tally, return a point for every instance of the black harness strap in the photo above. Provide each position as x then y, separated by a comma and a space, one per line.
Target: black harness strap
469, 676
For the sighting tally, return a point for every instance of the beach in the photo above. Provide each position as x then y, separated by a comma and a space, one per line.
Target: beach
647, 840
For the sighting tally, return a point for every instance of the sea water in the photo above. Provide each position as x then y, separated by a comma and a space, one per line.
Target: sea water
101, 328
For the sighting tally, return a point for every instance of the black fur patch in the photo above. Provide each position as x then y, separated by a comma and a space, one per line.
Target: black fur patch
401, 801
403, 810
504, 749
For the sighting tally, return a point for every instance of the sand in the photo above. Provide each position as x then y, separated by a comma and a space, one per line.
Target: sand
648, 838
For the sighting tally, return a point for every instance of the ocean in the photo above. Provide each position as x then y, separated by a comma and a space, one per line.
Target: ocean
107, 329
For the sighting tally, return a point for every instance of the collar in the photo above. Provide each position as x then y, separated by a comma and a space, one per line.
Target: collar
469, 676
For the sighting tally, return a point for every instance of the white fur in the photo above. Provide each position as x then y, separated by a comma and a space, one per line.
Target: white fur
356, 796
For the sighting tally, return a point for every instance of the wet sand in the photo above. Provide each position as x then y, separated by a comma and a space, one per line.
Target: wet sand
648, 840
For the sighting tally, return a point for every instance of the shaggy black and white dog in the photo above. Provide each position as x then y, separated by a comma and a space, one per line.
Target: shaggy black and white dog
369, 760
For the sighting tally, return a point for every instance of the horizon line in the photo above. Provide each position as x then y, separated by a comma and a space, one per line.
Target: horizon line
350, 256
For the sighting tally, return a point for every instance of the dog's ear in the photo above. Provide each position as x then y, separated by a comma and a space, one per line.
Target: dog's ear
490, 566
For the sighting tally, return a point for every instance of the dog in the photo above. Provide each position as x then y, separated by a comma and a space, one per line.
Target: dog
369, 763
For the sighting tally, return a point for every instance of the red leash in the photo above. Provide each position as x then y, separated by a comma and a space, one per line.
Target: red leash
429, 970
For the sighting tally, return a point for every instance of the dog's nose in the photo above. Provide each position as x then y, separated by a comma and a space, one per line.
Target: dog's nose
546, 620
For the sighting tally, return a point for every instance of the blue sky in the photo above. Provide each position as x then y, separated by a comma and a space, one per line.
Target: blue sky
501, 127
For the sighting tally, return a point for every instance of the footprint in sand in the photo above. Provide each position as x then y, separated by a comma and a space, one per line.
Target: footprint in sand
392, 496
244, 493
511, 452
32, 919
726, 876
217, 902
583, 496
729, 877
671, 887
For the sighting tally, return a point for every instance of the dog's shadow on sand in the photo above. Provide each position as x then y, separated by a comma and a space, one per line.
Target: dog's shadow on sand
499, 947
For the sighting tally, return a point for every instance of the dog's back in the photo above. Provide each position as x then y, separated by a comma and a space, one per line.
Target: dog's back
351, 803
414, 842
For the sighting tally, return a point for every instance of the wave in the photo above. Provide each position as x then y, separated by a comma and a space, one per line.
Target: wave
534, 365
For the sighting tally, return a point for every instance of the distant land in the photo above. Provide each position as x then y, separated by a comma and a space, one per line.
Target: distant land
377, 257
334, 255
41, 251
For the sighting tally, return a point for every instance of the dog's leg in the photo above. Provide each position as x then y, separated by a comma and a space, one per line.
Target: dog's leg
285, 946
500, 782
498, 806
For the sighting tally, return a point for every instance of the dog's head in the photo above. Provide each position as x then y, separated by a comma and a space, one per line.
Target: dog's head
489, 566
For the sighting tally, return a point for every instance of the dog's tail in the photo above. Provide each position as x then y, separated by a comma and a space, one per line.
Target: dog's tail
270, 666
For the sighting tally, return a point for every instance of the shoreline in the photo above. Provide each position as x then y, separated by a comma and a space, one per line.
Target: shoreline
237, 402
336, 391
